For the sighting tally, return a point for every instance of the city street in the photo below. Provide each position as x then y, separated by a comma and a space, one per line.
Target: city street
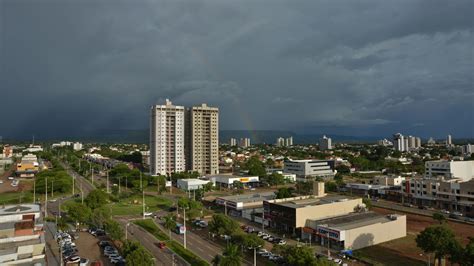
162, 256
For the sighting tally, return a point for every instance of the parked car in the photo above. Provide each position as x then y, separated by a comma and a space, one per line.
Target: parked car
74, 259
11, 178
444, 211
84, 262
281, 242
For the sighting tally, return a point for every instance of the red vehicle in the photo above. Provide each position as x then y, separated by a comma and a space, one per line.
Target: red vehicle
161, 245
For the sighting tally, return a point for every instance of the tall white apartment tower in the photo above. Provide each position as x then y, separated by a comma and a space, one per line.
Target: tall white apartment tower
399, 142
325, 143
166, 139
202, 139
449, 141
233, 142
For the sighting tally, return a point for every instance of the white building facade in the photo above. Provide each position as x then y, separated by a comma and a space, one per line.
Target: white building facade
310, 168
449, 169
167, 139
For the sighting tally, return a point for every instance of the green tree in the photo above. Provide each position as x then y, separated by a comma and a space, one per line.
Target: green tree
208, 187
283, 193
216, 260
276, 179
135, 254
468, 253
79, 213
331, 186
114, 230
100, 216
231, 256
439, 240
223, 225
439, 217
367, 202
299, 256
96, 199
255, 167
170, 223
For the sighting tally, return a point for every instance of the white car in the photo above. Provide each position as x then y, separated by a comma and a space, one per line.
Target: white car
84, 262
338, 261
444, 211
1, 181
261, 251
11, 178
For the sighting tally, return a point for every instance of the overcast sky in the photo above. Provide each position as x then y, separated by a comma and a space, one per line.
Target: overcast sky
335, 67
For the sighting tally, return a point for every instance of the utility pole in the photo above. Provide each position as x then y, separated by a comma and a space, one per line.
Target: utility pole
34, 191
329, 252
185, 229
254, 256
119, 184
92, 174
82, 195
46, 198
73, 184
107, 171
52, 188
143, 195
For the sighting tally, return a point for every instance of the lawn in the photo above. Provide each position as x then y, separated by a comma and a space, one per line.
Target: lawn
133, 205
15, 197
187, 255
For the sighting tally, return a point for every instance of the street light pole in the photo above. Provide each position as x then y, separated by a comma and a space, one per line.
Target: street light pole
185, 229
46, 198
254, 256
34, 191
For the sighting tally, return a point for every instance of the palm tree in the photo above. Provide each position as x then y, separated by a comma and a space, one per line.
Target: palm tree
170, 223
216, 261
232, 256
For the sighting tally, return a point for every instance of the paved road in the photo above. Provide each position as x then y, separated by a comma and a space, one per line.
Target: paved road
52, 248
162, 256
204, 248
79, 179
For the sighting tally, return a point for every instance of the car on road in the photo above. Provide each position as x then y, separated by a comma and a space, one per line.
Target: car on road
407, 205
11, 178
161, 245
444, 211
15, 183
281, 242
1, 181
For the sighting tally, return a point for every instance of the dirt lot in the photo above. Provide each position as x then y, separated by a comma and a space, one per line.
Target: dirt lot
88, 248
404, 251
417, 223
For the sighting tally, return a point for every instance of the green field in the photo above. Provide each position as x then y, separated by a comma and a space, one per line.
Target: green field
16, 197
187, 255
133, 205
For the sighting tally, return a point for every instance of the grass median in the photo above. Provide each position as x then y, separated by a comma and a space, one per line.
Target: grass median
187, 255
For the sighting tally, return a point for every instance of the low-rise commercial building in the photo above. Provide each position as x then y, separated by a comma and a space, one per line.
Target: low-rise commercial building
355, 230
449, 169
28, 166
191, 184
229, 180
453, 194
248, 206
21, 235
291, 214
307, 169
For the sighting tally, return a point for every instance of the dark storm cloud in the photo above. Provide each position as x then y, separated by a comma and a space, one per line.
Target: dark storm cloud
345, 67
